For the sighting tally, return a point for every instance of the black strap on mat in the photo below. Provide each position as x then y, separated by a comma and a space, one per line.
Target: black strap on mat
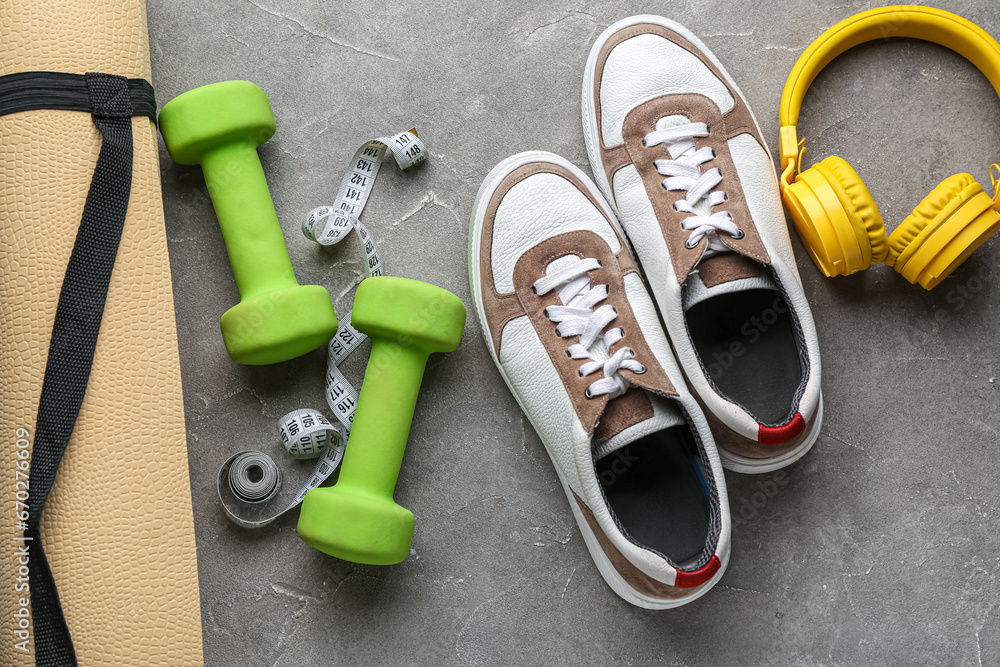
29, 91
112, 101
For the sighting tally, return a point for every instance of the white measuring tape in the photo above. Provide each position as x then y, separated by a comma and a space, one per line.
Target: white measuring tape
334, 223
249, 479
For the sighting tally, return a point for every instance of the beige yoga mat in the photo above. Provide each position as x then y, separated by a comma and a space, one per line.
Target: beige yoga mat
117, 528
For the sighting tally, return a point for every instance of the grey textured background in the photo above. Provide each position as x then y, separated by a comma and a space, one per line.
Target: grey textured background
879, 547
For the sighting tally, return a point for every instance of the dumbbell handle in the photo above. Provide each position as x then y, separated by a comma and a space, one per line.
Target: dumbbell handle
382, 421
249, 223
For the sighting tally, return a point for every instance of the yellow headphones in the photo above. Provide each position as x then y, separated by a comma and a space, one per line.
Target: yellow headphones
830, 205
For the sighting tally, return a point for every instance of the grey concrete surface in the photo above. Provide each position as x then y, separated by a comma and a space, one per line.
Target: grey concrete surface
880, 547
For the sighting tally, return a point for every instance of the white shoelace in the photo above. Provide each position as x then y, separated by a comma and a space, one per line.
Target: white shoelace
683, 172
577, 317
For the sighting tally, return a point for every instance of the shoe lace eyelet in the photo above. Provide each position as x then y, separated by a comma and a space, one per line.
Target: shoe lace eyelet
738, 235
689, 245
676, 210
587, 393
644, 369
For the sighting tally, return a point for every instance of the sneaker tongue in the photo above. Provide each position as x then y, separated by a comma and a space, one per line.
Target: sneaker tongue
671, 121
639, 414
725, 274
560, 263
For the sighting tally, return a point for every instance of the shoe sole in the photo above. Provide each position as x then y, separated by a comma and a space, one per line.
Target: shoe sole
592, 133
604, 565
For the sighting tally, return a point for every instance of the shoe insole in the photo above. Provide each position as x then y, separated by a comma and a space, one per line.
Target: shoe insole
655, 489
746, 342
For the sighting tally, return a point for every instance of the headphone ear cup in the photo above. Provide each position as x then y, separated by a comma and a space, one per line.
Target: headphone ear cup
836, 218
943, 230
862, 209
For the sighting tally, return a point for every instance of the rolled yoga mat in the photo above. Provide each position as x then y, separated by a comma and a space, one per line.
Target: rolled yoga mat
118, 527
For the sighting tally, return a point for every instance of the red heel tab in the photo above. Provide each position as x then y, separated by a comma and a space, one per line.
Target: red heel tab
777, 435
699, 576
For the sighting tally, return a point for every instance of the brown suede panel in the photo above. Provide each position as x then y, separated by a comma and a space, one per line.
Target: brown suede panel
531, 266
626, 410
734, 443
725, 268
738, 118
641, 121
636, 578
499, 309
625, 261
613, 159
739, 121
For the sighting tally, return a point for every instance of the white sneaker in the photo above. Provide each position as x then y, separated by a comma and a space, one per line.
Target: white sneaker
575, 335
678, 154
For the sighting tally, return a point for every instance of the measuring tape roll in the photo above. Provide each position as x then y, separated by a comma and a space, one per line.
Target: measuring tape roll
254, 477
307, 433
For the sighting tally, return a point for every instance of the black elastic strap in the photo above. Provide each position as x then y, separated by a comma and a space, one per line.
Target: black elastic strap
78, 317
30, 91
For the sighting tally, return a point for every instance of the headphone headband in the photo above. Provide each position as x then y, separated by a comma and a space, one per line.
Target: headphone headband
926, 23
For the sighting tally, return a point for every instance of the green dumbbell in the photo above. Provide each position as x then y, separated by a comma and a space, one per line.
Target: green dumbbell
357, 518
219, 127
